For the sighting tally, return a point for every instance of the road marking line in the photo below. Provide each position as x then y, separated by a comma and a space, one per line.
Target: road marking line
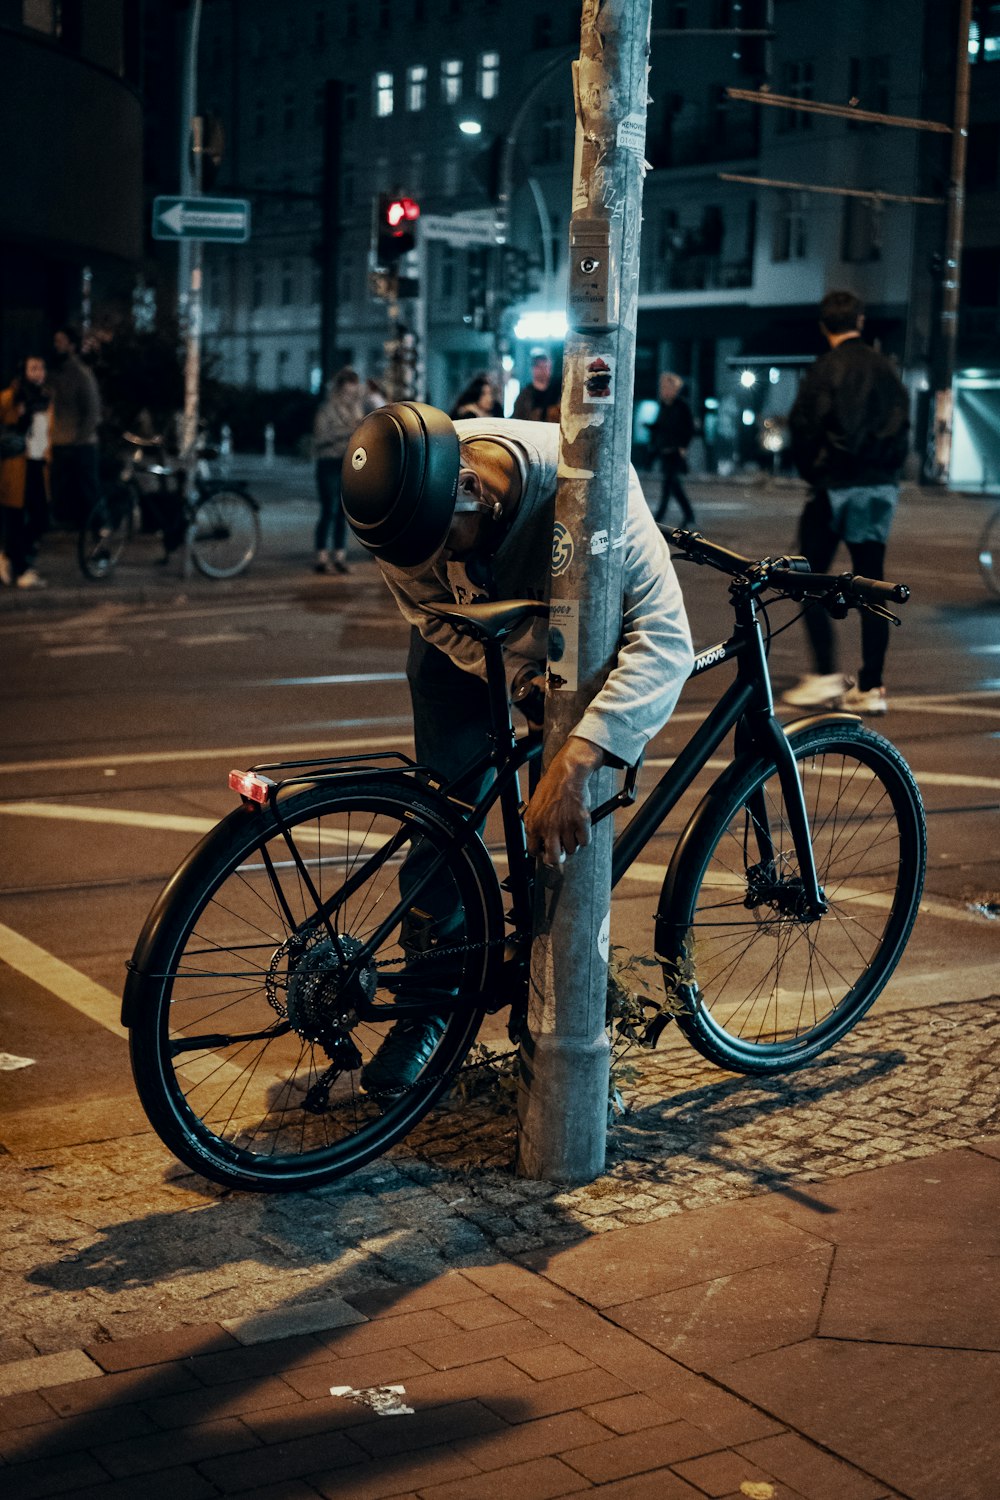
172, 822
240, 755
60, 979
340, 678
96, 648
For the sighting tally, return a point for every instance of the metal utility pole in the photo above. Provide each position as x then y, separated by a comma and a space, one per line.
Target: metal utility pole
563, 1101
190, 251
952, 283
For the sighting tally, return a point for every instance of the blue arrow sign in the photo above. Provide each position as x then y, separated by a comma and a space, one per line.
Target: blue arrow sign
201, 219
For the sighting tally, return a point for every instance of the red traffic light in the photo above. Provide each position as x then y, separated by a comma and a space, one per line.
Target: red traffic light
401, 210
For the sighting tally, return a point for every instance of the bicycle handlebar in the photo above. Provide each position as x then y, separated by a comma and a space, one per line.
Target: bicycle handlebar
790, 575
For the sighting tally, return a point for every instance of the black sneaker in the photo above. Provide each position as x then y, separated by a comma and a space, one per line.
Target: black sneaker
405, 1052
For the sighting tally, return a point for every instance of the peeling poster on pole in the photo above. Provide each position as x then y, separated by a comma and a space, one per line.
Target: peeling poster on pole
564, 645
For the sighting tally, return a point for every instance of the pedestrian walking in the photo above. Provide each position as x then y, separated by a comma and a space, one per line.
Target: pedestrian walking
670, 434
337, 417
539, 401
849, 435
25, 408
76, 416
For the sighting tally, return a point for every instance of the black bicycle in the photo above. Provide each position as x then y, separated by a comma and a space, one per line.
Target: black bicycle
342, 896
216, 521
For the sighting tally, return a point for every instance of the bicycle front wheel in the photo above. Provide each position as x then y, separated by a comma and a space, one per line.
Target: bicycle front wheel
225, 533
247, 1049
105, 533
760, 986
989, 553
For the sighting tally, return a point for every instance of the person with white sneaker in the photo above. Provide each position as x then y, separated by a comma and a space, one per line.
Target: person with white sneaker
849, 431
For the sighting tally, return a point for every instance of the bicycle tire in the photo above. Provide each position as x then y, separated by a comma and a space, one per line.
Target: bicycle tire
989, 553
228, 952
105, 534
224, 533
758, 987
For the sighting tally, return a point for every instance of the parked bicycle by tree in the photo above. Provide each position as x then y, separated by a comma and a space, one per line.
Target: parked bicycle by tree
344, 898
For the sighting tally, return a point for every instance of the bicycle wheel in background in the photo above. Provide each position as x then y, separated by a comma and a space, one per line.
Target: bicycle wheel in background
760, 987
246, 1048
989, 553
105, 533
224, 535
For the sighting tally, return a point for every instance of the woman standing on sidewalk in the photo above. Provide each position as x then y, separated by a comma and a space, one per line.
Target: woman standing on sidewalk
24, 410
341, 411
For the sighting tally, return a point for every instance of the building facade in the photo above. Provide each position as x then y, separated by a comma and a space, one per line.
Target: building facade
326, 106
71, 118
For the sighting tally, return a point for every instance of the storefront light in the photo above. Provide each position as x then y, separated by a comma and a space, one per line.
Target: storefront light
748, 379
540, 326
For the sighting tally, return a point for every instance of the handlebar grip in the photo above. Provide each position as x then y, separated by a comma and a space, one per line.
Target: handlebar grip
694, 545
878, 591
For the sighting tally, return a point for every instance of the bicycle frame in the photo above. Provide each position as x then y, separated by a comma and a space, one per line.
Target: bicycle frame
747, 707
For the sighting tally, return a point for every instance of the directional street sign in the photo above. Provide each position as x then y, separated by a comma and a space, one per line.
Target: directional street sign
201, 219
477, 228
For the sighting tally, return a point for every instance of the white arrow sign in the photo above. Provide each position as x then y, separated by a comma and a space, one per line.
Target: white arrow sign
201, 219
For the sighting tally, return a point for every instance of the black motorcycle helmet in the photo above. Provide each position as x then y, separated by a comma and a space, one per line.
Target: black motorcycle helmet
400, 482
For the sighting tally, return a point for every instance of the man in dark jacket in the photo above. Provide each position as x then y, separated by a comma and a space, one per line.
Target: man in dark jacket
670, 435
849, 435
76, 415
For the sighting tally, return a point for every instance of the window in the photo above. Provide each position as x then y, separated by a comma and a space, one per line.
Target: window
349, 101
287, 284
384, 15
416, 174
447, 263
790, 229
253, 368
40, 15
984, 33
541, 35
257, 286
488, 75
416, 87
450, 175
282, 363
861, 231
549, 141
382, 95
797, 81
868, 85
451, 80
288, 112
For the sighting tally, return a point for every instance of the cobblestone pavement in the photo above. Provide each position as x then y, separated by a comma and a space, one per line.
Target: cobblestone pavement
113, 1240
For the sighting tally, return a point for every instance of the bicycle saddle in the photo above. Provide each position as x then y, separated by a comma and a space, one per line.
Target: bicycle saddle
488, 622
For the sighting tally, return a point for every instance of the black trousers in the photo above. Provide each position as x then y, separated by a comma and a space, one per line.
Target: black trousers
21, 529
331, 512
672, 467
819, 542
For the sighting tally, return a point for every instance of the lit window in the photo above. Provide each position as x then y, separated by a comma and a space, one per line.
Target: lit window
488, 81
382, 94
416, 87
451, 80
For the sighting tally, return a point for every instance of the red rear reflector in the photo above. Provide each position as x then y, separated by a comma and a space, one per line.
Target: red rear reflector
249, 784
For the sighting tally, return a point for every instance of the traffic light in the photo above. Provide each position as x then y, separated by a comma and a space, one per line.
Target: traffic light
397, 218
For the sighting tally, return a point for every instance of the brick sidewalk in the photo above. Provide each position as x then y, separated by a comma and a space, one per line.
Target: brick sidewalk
839, 1343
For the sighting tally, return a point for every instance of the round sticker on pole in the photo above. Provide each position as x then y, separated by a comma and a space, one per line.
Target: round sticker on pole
562, 549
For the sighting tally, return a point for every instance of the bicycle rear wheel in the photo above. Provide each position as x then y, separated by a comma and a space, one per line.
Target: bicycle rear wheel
246, 1045
225, 533
759, 986
989, 553
105, 533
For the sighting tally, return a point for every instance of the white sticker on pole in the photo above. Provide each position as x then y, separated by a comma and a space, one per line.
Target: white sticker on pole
564, 645
604, 938
632, 134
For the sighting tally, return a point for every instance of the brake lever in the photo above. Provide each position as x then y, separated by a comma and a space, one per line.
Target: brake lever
882, 612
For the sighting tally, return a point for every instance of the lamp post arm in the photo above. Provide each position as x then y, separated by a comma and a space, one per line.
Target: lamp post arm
510, 137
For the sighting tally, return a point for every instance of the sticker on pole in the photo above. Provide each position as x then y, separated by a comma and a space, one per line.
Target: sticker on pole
599, 382
383, 1399
604, 938
564, 645
562, 549
632, 134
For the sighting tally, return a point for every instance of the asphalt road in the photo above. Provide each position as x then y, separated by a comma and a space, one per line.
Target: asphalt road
126, 704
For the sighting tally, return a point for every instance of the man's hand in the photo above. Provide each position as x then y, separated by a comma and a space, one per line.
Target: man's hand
557, 821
